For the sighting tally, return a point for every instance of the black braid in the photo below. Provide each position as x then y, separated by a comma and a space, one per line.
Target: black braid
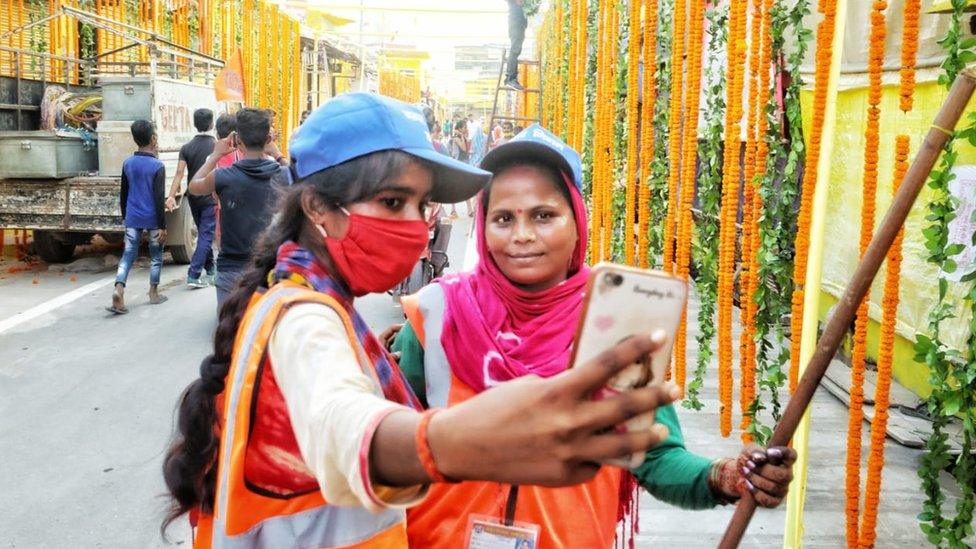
190, 466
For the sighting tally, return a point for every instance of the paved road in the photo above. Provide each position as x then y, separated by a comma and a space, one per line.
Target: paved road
87, 401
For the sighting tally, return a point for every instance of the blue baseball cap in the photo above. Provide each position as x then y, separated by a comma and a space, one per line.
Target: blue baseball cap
356, 124
539, 143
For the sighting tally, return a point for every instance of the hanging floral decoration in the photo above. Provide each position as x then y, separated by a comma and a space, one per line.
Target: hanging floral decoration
825, 40
731, 180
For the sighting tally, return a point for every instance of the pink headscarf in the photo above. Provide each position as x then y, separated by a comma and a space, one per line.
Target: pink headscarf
495, 331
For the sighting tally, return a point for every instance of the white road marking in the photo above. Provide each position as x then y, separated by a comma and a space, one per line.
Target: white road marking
52, 304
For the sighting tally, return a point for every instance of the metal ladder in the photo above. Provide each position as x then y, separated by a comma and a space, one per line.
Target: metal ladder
500, 87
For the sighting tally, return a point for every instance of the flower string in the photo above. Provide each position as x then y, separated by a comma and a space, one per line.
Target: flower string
633, 58
689, 146
649, 95
825, 40
879, 423
756, 153
678, 46
596, 199
608, 127
730, 199
855, 423
909, 52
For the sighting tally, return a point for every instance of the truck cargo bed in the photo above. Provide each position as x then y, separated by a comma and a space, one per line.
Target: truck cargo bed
88, 204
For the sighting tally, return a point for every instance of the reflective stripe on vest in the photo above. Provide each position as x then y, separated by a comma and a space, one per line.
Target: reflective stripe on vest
244, 519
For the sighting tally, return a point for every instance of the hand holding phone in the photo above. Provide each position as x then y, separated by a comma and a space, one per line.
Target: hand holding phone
621, 301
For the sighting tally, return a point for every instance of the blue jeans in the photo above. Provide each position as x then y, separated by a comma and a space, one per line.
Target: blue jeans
227, 277
132, 252
205, 218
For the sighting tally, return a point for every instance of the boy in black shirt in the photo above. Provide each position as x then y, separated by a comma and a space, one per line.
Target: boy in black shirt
245, 191
141, 203
192, 156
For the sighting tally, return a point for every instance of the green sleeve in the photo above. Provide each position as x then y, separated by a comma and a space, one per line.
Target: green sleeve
411, 361
671, 473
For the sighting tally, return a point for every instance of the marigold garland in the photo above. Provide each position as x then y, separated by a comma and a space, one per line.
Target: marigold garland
649, 97
602, 159
689, 154
909, 52
825, 40
633, 58
610, 122
855, 424
674, 145
596, 178
756, 153
730, 198
879, 423
574, 118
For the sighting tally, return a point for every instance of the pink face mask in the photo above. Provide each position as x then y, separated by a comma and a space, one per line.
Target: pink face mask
376, 253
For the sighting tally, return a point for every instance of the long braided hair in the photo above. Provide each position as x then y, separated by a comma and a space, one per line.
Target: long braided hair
190, 466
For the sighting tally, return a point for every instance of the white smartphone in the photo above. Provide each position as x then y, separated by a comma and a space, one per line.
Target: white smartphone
620, 302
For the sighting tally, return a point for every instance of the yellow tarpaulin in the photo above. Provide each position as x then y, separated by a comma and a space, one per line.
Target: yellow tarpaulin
919, 278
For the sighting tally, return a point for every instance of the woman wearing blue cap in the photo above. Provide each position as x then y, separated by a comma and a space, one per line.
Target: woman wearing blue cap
515, 315
301, 430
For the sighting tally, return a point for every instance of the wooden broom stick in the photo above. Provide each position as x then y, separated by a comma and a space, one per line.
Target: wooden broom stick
843, 315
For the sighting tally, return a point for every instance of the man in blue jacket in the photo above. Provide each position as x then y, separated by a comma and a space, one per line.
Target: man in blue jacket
141, 199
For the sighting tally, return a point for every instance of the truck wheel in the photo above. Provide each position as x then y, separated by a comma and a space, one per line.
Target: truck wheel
52, 249
183, 233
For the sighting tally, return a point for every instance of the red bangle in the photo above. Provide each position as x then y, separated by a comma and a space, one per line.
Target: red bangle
423, 447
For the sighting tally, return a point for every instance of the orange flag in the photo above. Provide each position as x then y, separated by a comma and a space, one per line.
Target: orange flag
229, 85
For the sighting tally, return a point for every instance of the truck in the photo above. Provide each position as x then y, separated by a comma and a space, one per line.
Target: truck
49, 183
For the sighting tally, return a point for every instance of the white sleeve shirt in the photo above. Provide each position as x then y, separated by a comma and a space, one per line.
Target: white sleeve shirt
334, 406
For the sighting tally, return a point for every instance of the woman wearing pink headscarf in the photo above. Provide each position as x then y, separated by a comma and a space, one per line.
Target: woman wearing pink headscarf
515, 315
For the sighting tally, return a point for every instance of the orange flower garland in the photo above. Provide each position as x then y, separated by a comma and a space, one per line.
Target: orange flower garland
573, 118
582, 12
909, 52
689, 145
600, 140
869, 199
730, 199
674, 130
633, 57
610, 121
649, 94
756, 153
825, 40
879, 423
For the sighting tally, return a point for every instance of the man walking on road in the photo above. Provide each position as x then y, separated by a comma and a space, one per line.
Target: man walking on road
517, 23
245, 191
192, 156
141, 201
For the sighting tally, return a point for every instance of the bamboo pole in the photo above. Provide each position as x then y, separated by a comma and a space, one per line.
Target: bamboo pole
838, 323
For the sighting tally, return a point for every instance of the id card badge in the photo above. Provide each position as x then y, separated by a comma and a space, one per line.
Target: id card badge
486, 532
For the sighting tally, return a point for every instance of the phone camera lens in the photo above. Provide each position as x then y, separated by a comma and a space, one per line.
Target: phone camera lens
615, 279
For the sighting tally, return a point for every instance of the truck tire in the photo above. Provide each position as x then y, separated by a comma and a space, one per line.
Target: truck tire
182, 231
52, 249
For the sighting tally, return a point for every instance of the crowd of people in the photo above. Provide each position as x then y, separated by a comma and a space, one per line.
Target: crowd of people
231, 182
306, 429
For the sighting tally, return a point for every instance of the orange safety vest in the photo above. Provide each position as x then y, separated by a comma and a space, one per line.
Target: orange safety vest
289, 511
581, 516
